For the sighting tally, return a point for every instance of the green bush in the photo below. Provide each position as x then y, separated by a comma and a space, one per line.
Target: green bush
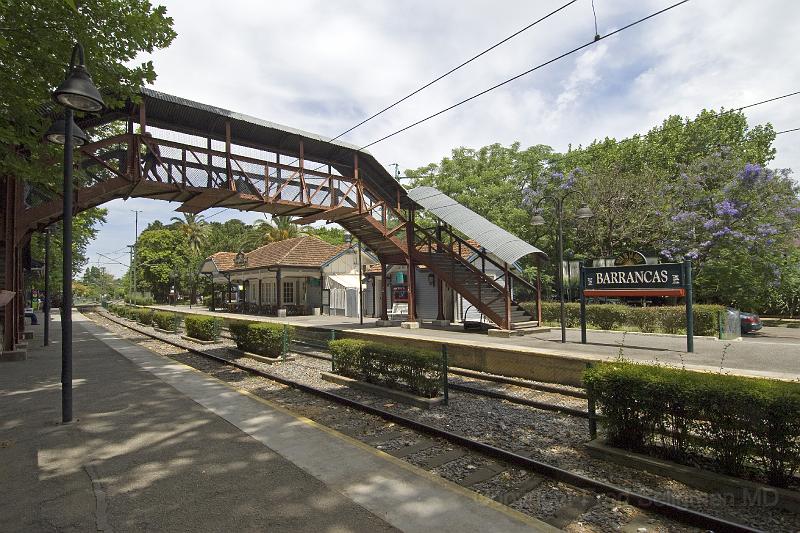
662, 319
142, 300
741, 423
166, 320
262, 338
204, 328
417, 371
145, 316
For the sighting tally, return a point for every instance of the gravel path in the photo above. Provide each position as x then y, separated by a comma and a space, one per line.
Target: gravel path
544, 435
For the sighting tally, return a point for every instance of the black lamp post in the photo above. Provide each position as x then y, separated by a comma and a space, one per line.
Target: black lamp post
537, 220
76, 93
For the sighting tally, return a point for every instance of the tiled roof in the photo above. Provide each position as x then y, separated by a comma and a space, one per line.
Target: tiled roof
303, 251
223, 260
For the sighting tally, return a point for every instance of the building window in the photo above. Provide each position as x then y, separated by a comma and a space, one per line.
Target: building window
288, 292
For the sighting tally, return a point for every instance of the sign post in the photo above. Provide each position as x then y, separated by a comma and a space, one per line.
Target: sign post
638, 281
582, 277
687, 269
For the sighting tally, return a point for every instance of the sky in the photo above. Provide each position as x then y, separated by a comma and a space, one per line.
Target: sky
324, 66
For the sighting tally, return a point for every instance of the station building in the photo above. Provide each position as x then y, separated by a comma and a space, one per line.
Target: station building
301, 276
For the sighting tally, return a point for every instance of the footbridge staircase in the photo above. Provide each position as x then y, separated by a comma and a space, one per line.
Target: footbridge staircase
203, 157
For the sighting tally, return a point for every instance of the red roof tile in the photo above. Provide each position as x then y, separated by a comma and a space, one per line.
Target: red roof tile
303, 251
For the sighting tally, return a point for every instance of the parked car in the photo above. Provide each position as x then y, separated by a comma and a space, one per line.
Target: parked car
750, 322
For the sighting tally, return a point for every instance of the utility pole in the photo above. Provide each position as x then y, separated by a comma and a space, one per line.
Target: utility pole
130, 278
133, 254
396, 170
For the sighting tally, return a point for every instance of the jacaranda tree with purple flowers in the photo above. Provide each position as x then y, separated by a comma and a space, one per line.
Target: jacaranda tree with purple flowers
737, 223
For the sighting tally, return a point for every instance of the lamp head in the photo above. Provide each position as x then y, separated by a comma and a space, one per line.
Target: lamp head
584, 212
348, 238
57, 133
78, 92
537, 220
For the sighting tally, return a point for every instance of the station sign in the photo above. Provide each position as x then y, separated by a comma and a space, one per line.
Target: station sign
663, 276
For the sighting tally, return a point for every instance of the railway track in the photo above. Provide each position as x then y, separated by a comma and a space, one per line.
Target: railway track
317, 352
407, 438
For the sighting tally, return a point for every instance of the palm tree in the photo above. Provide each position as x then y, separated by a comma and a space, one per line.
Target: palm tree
194, 228
283, 229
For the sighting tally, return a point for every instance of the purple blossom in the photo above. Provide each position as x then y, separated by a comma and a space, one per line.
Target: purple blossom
750, 173
766, 229
726, 208
692, 254
721, 233
710, 223
705, 244
683, 216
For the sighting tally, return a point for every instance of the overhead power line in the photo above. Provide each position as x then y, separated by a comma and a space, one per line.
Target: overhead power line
452, 70
787, 131
520, 75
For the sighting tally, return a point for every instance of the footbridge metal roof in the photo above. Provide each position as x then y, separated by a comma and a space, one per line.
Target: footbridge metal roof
492, 237
180, 114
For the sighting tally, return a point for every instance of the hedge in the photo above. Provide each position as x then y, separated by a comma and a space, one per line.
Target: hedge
741, 424
204, 328
663, 319
166, 320
144, 316
417, 371
261, 338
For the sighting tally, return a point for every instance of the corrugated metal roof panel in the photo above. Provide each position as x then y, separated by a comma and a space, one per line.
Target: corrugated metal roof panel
495, 239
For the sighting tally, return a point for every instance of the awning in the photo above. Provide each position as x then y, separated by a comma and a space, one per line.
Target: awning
348, 281
493, 238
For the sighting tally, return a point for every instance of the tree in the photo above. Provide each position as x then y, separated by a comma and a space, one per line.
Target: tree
737, 224
195, 233
99, 282
160, 254
34, 52
85, 226
281, 230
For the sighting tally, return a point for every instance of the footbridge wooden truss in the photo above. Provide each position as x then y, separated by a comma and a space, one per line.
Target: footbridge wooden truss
202, 157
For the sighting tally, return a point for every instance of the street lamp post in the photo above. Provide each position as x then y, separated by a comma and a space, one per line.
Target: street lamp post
537, 220
76, 93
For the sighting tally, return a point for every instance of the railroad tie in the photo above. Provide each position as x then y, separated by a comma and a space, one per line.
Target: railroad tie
414, 448
522, 489
571, 511
384, 436
446, 457
487, 471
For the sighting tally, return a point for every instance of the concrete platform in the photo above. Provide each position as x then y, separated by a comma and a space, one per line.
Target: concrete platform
157, 445
542, 356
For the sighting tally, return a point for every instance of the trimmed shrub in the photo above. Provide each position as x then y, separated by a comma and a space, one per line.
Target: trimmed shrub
742, 424
416, 371
204, 328
262, 338
166, 320
145, 316
662, 319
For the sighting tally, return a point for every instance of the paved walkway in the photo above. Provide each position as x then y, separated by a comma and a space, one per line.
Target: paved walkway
762, 357
159, 446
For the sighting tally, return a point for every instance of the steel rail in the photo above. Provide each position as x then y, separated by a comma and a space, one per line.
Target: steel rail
670, 510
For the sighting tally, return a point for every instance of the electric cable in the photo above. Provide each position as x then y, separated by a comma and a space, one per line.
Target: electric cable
514, 78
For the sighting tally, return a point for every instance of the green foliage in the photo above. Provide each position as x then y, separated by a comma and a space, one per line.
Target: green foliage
332, 235
261, 338
166, 320
35, 46
161, 254
418, 371
663, 319
85, 226
742, 423
205, 328
141, 300
144, 316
